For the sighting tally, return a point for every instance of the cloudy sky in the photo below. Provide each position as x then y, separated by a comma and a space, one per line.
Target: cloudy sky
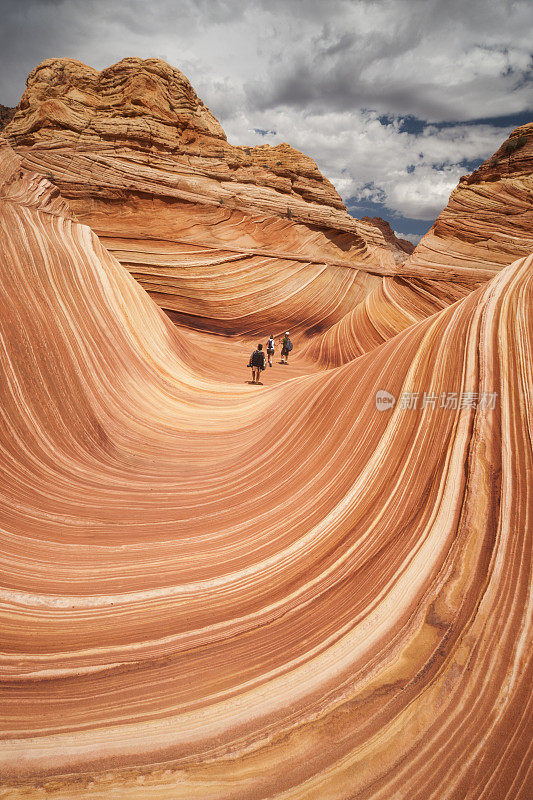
394, 99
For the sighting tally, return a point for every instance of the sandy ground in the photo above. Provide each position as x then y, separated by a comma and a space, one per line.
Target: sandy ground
225, 359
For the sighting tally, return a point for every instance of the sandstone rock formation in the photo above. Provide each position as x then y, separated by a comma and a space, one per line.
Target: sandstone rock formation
142, 160
144, 163
216, 591
358, 631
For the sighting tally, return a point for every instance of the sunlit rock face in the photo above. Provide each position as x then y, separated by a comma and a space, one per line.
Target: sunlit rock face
219, 591
229, 239
487, 223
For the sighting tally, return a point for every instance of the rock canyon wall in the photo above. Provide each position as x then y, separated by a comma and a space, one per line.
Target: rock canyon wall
142, 160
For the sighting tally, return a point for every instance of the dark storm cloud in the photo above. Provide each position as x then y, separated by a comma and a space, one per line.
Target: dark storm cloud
392, 98
435, 60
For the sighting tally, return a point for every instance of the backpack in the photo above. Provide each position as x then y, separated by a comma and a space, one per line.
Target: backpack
288, 346
258, 359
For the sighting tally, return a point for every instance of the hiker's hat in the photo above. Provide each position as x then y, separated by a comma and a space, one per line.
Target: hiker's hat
286, 333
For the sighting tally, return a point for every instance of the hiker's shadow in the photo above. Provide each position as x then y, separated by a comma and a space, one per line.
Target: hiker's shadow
253, 383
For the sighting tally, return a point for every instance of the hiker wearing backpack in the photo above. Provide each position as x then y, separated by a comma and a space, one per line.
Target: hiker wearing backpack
286, 347
270, 349
257, 363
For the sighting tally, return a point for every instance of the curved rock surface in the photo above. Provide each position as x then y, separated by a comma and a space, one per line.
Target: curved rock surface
239, 240
216, 591
394, 305
142, 160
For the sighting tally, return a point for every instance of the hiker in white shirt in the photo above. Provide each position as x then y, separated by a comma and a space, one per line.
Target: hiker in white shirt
270, 349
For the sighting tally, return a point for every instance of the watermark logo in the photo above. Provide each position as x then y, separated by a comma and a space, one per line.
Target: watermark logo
384, 400
451, 401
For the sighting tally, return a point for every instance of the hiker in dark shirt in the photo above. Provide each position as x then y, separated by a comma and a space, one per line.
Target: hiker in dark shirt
286, 347
257, 363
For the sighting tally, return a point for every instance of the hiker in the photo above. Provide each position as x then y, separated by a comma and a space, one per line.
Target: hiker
257, 363
270, 349
286, 347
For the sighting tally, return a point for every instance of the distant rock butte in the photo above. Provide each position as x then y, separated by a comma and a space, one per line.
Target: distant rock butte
400, 247
144, 162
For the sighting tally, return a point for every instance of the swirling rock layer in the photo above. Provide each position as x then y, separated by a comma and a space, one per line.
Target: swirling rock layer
215, 591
